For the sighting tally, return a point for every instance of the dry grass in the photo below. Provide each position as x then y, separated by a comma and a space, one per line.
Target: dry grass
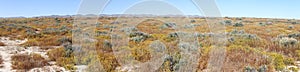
27, 62
59, 56
1, 61
2, 44
55, 54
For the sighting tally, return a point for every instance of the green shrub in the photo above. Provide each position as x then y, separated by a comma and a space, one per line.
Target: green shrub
249, 69
239, 24
228, 22
291, 27
128, 30
262, 24
288, 41
107, 45
295, 22
138, 36
168, 25
193, 21
263, 68
294, 35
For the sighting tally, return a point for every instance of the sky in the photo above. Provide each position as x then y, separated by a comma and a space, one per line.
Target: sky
231, 8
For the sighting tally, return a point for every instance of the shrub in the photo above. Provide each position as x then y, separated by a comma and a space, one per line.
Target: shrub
51, 31
2, 44
193, 21
289, 61
243, 34
263, 68
228, 22
27, 62
294, 22
231, 39
278, 61
44, 41
67, 63
173, 62
288, 41
98, 24
68, 49
32, 42
291, 27
294, 69
107, 45
250, 36
54, 54
234, 31
239, 18
269, 23
201, 35
138, 36
249, 69
60, 56
99, 33
298, 55
108, 26
294, 35
187, 47
130, 29
239, 24
173, 35
281, 36
31, 33
115, 22
134, 34
137, 39
262, 24
189, 26
64, 28
64, 40
169, 25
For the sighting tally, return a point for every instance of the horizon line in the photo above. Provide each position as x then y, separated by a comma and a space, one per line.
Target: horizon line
193, 15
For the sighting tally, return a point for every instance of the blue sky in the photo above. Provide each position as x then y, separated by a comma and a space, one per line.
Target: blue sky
232, 8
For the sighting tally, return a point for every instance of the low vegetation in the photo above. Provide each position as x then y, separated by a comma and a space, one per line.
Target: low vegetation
1, 61
60, 56
253, 44
27, 62
2, 44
